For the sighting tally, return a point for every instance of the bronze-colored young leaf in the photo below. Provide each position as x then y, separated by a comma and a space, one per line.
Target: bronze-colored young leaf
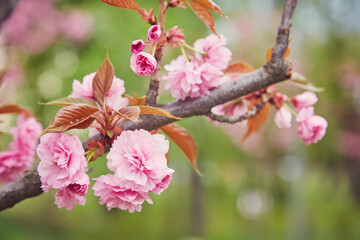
130, 113
239, 67
103, 80
204, 15
79, 116
135, 100
183, 139
14, 109
67, 101
127, 4
256, 122
209, 4
269, 53
157, 111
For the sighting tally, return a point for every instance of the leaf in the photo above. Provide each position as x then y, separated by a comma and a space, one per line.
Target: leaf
204, 15
256, 122
135, 100
157, 111
183, 139
14, 109
130, 113
239, 67
67, 101
308, 86
103, 80
269, 52
127, 4
79, 116
209, 4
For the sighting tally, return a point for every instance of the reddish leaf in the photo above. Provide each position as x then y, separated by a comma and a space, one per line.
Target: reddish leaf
130, 113
103, 80
256, 122
269, 52
2, 76
239, 67
79, 116
127, 4
204, 15
67, 101
14, 109
135, 100
183, 139
209, 4
148, 16
157, 111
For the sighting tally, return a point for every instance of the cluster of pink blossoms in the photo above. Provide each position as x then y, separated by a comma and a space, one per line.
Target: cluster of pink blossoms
194, 76
137, 158
143, 63
62, 167
311, 127
36, 24
21, 152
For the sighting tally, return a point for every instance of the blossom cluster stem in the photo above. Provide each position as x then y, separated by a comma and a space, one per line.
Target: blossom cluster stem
153, 90
193, 49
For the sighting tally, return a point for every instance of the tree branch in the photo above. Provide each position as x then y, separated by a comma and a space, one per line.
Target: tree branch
152, 93
276, 70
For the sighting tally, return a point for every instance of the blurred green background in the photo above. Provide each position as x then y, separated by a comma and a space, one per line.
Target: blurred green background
270, 187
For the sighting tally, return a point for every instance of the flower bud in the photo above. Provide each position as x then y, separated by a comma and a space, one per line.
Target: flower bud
137, 46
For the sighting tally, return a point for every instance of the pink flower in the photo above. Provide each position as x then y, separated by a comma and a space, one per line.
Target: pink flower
73, 193
25, 135
21, 153
306, 99
62, 159
283, 118
154, 33
137, 46
138, 159
113, 96
75, 25
13, 164
164, 183
111, 192
311, 128
216, 53
142, 63
187, 78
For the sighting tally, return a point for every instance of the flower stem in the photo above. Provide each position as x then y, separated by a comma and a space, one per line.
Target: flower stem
290, 109
154, 49
193, 49
184, 53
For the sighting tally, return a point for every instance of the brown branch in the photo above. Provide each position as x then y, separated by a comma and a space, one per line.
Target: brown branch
26, 187
275, 71
234, 119
152, 93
